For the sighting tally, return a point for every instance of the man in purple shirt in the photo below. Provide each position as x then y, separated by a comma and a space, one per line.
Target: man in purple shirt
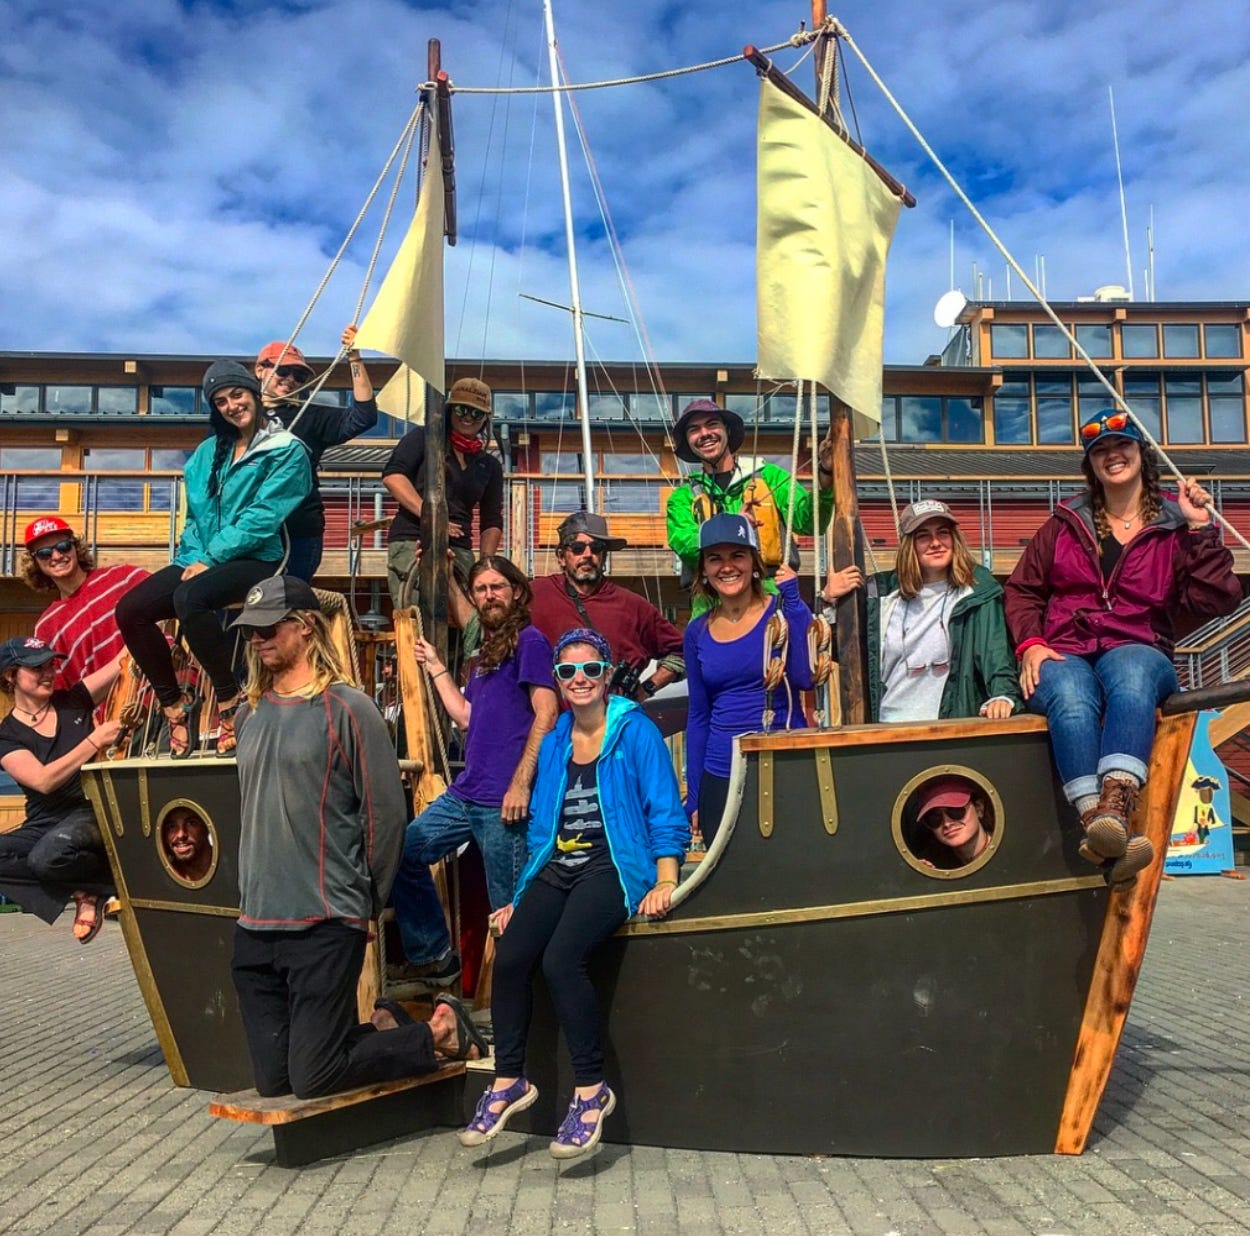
505, 710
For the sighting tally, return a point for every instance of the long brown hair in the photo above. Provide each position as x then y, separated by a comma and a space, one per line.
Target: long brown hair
1151, 498
323, 660
499, 643
907, 564
701, 587
40, 582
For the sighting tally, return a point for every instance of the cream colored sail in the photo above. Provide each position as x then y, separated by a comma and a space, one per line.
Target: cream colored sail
824, 226
406, 317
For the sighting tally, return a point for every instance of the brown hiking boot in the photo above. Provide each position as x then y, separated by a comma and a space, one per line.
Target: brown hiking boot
1137, 855
1106, 826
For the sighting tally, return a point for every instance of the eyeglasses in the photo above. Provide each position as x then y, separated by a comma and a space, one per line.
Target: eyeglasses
577, 548
44, 552
464, 413
265, 632
938, 816
299, 372
566, 671
1115, 423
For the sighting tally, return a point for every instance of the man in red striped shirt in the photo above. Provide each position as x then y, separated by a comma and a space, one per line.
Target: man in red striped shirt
80, 623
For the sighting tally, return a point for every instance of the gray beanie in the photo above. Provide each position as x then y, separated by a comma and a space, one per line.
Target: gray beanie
227, 373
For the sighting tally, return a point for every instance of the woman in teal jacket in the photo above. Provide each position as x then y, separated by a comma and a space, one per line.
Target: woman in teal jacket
607, 835
241, 484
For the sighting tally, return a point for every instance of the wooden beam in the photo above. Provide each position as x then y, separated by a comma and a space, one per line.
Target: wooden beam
851, 630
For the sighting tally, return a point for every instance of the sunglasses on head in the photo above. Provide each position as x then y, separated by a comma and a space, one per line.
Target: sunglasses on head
1117, 422
44, 552
265, 632
298, 372
566, 671
577, 548
939, 815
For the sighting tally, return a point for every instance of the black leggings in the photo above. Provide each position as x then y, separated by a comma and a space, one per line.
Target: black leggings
194, 602
562, 929
713, 795
41, 865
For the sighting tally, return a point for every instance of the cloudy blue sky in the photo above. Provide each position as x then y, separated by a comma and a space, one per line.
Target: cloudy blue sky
177, 174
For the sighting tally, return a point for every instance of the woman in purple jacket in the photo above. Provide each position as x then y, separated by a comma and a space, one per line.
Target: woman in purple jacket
724, 650
1091, 607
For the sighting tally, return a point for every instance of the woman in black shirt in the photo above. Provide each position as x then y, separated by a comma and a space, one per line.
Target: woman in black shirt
49, 735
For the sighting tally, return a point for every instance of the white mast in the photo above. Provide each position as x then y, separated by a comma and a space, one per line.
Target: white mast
1119, 175
575, 294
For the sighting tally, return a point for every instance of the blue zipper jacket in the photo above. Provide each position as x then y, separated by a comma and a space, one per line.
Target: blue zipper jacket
643, 817
257, 493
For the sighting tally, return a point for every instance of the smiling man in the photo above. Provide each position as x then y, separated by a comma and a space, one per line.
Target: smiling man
728, 483
80, 624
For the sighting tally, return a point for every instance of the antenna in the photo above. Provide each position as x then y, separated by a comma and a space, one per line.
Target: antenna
1119, 175
1150, 249
951, 285
1008, 282
950, 305
1042, 284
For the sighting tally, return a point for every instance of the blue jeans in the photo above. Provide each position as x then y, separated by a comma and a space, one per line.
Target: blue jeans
445, 825
305, 557
1101, 712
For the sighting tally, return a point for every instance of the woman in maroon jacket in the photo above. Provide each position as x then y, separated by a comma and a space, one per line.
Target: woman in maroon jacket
1091, 606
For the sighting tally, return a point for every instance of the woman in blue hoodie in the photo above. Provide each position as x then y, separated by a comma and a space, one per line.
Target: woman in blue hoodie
241, 484
607, 836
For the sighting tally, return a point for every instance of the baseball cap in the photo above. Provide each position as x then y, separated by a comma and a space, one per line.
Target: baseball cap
470, 393
728, 530
45, 525
916, 514
273, 598
291, 355
27, 650
945, 792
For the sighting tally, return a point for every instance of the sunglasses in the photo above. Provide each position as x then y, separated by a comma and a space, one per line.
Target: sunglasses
463, 413
566, 671
264, 632
577, 548
939, 815
298, 372
46, 551
1117, 422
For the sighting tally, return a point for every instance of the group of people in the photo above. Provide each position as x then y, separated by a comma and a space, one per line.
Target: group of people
567, 788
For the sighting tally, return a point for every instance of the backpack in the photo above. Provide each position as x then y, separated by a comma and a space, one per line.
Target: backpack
760, 506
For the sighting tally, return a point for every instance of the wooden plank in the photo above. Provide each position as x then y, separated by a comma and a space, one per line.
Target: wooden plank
1123, 944
249, 1107
414, 691
850, 633
1231, 721
870, 735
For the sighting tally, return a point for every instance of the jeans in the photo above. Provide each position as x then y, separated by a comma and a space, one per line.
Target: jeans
42, 864
1101, 712
305, 556
445, 825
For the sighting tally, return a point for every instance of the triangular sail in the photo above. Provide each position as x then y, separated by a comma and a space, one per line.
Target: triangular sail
824, 226
406, 317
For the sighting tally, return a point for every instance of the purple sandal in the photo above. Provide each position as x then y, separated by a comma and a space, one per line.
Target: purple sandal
575, 1137
486, 1123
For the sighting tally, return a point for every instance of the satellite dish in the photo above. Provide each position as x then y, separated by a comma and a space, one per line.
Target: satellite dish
950, 305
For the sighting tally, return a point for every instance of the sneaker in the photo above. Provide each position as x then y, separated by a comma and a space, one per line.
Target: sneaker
440, 973
575, 1137
486, 1123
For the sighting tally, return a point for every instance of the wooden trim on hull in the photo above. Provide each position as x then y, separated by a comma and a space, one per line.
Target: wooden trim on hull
875, 734
1126, 930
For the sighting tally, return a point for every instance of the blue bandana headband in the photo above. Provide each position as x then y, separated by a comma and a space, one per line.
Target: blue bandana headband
584, 635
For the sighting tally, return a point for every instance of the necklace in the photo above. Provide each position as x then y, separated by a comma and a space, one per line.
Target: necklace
35, 717
734, 618
1127, 520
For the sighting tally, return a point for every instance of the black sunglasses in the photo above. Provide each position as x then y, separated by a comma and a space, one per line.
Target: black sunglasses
44, 552
298, 372
264, 632
577, 548
566, 671
462, 412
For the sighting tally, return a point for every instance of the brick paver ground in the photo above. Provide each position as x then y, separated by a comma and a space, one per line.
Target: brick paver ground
93, 1138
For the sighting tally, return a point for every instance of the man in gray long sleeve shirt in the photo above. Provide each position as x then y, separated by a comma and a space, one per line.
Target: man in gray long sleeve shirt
323, 819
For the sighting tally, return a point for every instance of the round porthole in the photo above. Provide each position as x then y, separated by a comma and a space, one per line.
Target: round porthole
947, 821
186, 841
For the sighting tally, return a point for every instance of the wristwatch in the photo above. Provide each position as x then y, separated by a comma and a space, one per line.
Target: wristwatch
648, 688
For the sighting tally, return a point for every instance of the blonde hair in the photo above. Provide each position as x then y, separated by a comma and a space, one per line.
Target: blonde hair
907, 564
323, 660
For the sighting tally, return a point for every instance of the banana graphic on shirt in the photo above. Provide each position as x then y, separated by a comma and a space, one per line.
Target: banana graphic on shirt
572, 844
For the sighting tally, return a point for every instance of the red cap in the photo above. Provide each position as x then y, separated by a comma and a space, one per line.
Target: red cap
945, 792
45, 525
291, 355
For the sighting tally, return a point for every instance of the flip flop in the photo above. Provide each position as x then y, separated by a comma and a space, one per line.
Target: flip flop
467, 1033
97, 921
397, 1011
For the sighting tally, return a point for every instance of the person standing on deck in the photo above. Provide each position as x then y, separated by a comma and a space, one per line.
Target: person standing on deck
80, 624
727, 483
321, 826
282, 370
474, 482
580, 595
507, 707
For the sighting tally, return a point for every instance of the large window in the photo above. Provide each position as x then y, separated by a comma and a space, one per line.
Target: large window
629, 497
607, 407
117, 400
172, 400
1096, 340
114, 493
1184, 407
1226, 403
617, 462
1143, 394
161, 491
555, 405
1050, 343
560, 463
1180, 341
68, 400
1138, 341
1221, 340
17, 399
511, 405
1012, 419
37, 493
561, 496
1009, 342
931, 418
1054, 411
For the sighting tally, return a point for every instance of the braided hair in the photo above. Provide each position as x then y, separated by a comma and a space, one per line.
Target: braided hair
1151, 498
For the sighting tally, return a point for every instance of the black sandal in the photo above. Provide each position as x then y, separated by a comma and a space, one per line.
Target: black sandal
467, 1034
183, 730
226, 738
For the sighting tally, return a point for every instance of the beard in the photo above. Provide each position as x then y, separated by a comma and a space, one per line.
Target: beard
494, 614
584, 573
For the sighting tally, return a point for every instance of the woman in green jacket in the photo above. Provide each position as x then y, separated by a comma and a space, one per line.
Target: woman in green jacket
241, 484
937, 639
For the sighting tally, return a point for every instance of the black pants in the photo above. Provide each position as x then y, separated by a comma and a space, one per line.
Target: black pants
561, 929
713, 795
194, 602
43, 865
297, 994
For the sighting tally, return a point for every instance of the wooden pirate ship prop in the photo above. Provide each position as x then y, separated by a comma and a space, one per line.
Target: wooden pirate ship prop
817, 987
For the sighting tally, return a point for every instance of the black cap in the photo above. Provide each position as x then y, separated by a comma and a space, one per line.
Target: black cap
273, 598
587, 523
28, 651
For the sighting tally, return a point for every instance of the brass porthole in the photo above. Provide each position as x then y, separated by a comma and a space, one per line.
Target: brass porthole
913, 840
186, 825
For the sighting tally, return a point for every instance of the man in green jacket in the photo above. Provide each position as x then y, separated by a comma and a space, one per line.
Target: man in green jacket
726, 482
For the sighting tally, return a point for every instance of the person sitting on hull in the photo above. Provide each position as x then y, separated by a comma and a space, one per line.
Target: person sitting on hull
241, 484
937, 639
955, 823
607, 837
57, 854
322, 817
282, 370
580, 594
728, 483
505, 711
725, 659
1092, 606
